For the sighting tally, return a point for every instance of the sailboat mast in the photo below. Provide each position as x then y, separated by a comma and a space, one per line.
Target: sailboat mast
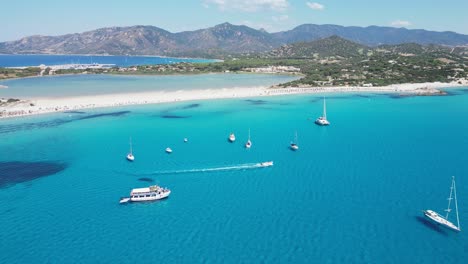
449, 200
295, 138
456, 206
249, 133
324, 109
131, 151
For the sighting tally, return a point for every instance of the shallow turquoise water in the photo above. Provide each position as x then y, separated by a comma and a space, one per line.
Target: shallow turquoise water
353, 193
17, 60
79, 85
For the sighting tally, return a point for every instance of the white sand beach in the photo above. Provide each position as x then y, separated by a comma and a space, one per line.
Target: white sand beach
50, 105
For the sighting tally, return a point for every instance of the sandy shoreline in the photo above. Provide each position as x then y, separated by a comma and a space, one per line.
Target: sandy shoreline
49, 105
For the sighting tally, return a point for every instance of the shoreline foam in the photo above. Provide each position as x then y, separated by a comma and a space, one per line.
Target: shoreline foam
50, 105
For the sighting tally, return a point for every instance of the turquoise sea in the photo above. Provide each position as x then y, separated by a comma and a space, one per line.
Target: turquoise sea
353, 193
7, 60
80, 85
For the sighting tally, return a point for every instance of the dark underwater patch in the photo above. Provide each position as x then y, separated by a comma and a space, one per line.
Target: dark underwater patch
190, 106
174, 116
113, 114
75, 112
30, 126
13, 172
55, 122
145, 179
363, 96
256, 102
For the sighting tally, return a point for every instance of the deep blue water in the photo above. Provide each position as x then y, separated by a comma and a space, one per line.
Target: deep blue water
353, 193
124, 61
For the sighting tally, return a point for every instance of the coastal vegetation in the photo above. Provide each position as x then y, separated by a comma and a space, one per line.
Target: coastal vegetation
331, 61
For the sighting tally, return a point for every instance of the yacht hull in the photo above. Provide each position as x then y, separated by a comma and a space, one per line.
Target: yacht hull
438, 219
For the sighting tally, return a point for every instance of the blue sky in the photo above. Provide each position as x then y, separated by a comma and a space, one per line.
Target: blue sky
56, 17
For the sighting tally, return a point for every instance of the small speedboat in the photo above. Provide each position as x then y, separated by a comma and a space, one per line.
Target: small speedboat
232, 137
124, 200
168, 150
265, 164
185, 140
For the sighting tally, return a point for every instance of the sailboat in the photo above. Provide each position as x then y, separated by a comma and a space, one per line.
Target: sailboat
439, 219
249, 143
293, 144
130, 156
322, 121
232, 137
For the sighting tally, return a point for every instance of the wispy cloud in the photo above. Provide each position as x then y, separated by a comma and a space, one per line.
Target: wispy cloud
280, 18
248, 5
315, 6
400, 23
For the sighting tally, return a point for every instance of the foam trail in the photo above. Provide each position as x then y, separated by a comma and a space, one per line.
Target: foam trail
227, 168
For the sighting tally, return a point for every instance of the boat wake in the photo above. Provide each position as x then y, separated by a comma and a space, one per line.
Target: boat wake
244, 166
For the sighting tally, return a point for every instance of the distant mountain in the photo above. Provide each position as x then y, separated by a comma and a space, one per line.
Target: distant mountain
346, 50
217, 41
330, 46
372, 36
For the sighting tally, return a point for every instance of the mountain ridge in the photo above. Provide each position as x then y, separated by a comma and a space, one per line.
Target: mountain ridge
217, 41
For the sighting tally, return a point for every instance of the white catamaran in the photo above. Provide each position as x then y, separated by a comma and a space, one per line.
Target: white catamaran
130, 156
439, 219
322, 121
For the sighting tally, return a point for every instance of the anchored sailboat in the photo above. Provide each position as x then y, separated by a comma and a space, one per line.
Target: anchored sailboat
439, 219
293, 144
130, 156
249, 143
232, 137
322, 121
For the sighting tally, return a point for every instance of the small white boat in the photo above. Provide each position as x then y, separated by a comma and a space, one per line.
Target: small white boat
130, 156
151, 193
293, 144
232, 137
265, 164
185, 140
168, 150
249, 143
322, 121
439, 219
124, 200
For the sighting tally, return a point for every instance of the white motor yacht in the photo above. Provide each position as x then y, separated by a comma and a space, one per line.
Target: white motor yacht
151, 193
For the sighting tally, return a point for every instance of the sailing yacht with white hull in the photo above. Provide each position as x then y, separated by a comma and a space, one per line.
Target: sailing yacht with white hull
294, 145
439, 219
130, 156
249, 143
322, 121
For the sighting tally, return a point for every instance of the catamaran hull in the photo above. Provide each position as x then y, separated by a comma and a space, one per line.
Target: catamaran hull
322, 123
